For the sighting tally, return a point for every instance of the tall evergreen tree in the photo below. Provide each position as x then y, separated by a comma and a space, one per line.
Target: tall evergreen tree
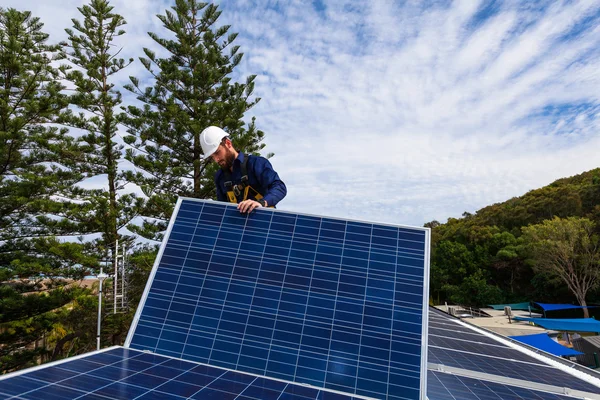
193, 89
35, 172
92, 53
93, 56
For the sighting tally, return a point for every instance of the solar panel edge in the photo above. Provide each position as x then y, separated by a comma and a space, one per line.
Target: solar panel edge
163, 245
302, 214
425, 325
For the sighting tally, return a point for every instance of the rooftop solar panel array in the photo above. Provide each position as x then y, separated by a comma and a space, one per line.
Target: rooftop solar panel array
443, 386
327, 302
458, 346
275, 301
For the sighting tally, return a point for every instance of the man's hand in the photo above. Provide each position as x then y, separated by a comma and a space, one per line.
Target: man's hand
247, 206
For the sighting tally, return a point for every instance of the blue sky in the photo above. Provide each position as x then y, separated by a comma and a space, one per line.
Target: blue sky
405, 112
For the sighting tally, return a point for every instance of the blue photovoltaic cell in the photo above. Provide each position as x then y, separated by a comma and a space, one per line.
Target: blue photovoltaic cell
332, 303
130, 374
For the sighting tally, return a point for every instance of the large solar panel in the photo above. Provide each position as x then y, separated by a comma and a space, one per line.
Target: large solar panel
327, 302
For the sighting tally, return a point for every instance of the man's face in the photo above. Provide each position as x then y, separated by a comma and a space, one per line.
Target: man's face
224, 156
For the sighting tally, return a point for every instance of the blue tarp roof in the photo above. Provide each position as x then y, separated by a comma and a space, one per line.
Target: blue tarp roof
553, 307
570, 325
543, 342
513, 306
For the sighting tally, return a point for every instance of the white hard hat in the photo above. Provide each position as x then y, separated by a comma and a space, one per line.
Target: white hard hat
211, 138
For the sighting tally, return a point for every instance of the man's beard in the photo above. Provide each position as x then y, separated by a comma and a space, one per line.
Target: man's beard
227, 162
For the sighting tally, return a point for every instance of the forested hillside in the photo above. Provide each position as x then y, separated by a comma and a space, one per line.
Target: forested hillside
525, 248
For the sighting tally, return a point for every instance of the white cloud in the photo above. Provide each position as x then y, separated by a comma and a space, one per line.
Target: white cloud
406, 113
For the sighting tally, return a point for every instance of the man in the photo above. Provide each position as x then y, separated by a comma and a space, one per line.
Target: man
247, 180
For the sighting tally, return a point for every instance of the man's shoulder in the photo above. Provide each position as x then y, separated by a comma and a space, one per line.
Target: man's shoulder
254, 159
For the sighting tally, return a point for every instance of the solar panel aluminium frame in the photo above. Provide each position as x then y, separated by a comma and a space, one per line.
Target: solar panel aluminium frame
426, 265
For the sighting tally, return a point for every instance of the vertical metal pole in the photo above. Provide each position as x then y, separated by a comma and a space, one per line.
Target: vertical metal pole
99, 309
123, 277
116, 279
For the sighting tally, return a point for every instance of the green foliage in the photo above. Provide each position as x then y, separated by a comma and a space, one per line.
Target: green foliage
36, 170
141, 262
75, 330
475, 291
569, 249
491, 240
17, 338
14, 306
31, 152
192, 90
451, 263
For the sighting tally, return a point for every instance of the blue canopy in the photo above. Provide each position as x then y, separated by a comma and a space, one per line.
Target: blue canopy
570, 325
553, 307
543, 342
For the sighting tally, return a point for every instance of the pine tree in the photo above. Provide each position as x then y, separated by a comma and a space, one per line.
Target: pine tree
35, 171
91, 53
193, 89
94, 59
